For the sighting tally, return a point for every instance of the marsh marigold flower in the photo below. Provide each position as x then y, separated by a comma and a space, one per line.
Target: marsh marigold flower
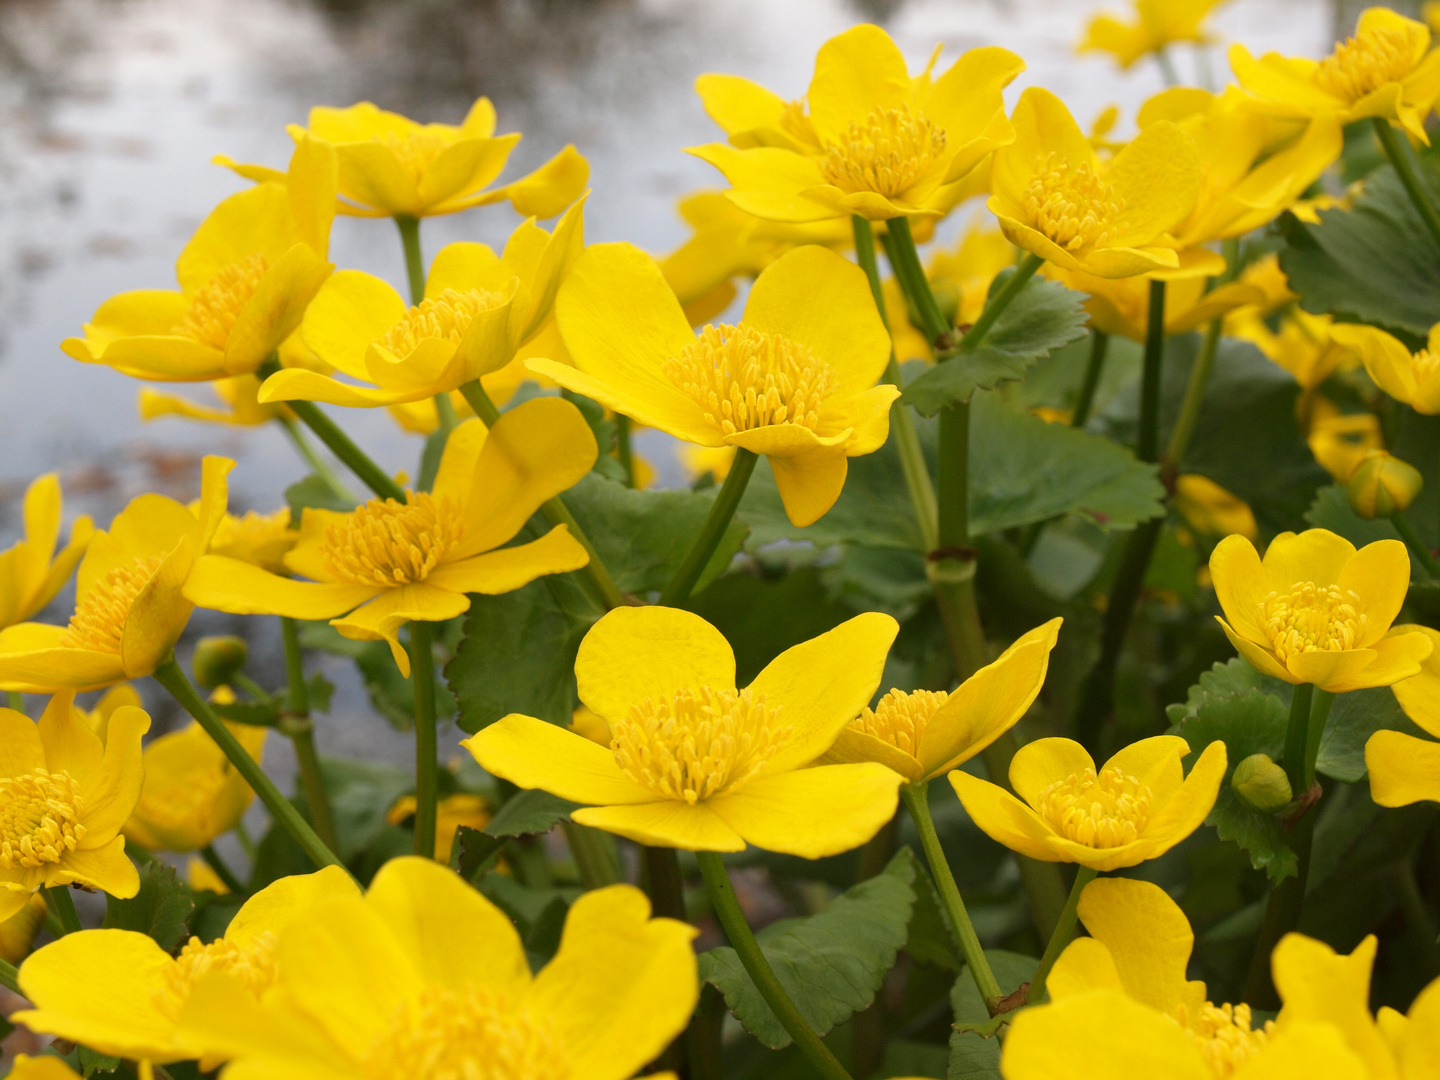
696, 763
1157, 23
31, 570
868, 138
1318, 611
461, 808
1404, 769
794, 380
1121, 306
1208, 508
425, 977
387, 563
1137, 807
261, 540
1412, 378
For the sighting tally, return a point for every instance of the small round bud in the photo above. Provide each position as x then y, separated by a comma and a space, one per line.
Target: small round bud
217, 659
1261, 784
1381, 484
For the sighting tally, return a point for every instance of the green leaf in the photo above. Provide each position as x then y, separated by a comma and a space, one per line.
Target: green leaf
831, 963
160, 909
928, 940
1044, 316
93, 1061
474, 852
527, 812
1354, 717
314, 491
908, 1060
361, 795
971, 1056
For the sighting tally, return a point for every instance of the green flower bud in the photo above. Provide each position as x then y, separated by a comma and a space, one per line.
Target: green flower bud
1261, 784
217, 659
1381, 485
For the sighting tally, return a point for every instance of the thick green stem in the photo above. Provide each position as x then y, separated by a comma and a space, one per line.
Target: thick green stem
1415, 544
1184, 428
1064, 931
1297, 737
678, 590
223, 872
1094, 368
427, 754
911, 275
9, 976
1147, 444
1398, 151
14, 701
952, 485
915, 797
446, 414
169, 675
663, 882
623, 450
596, 859
727, 910
1167, 68
315, 461
58, 897
414, 262
300, 729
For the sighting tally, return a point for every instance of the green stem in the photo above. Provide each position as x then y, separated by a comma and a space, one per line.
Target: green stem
1147, 444
14, 700
727, 910
1184, 428
10, 977
1167, 68
427, 754
251, 687
58, 897
1094, 368
223, 872
300, 729
623, 450
911, 275
319, 465
247, 842
1415, 544
1064, 930
595, 856
1398, 151
169, 675
445, 411
414, 263
1297, 738
916, 801
702, 548
975, 336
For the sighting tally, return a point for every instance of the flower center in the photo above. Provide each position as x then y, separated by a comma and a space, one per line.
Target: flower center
256, 538
698, 743
392, 543
886, 154
99, 620
471, 1034
445, 317
253, 964
1224, 1036
1362, 64
1312, 618
1102, 811
900, 718
1070, 203
745, 378
216, 305
39, 818
417, 149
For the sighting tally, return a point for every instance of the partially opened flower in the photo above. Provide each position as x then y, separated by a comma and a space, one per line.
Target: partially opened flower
239, 404
1318, 611
794, 381
1137, 807
696, 763
1339, 440
129, 607
1404, 769
120, 993
1412, 378
924, 733
1157, 23
387, 562
31, 570
425, 977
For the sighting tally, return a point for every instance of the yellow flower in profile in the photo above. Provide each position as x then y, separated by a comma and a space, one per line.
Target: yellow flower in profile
1340, 441
1404, 769
261, 540
1053, 197
1305, 345
794, 380
1386, 71
1121, 306
129, 607
387, 563
1412, 378
246, 277
696, 763
1157, 24
239, 398
461, 808
1318, 611
192, 794
18, 932
1212, 510
119, 993
479, 309
31, 570
425, 977
64, 794
868, 138
922, 734
1137, 807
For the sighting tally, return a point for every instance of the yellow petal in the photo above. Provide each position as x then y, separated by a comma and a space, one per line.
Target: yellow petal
1316, 555
1155, 762
737, 104
1004, 818
1240, 584
856, 72
105, 868
32, 660
274, 312
1038, 764
812, 812
1397, 658
273, 908
1259, 657
41, 1068
1099, 1036
509, 568
373, 176
158, 615
550, 188
382, 617
667, 823
70, 745
1186, 810
278, 1042
1304, 1051
1085, 966
20, 748
249, 222
1379, 574
809, 479
1043, 125
221, 583
1419, 695
350, 312
463, 167
1148, 937
1403, 769
533, 754
769, 182
1318, 985
966, 98
1386, 360
1333, 671
852, 746
1158, 177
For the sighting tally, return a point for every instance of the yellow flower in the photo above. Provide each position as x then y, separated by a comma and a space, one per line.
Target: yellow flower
1339, 441
1381, 485
795, 380
1053, 197
1411, 378
201, 877
119, 993
1212, 510
1386, 71
1307, 346
129, 609
1137, 807
1158, 23
479, 309
1265, 274
239, 396
425, 977
867, 139
924, 733
31, 570
245, 279
387, 563
64, 794
1122, 305
1404, 769
964, 273
261, 540
695, 763
192, 794
47, 1067
18, 932
1316, 610
462, 808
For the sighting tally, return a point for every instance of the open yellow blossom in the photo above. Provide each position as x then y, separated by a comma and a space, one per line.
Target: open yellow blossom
1054, 198
1212, 510
31, 570
696, 763
64, 794
963, 273
1122, 305
1157, 23
924, 733
1386, 71
1339, 440
246, 277
129, 607
119, 993
240, 404
1404, 769
794, 380
1412, 378
1305, 345
1137, 807
261, 540
868, 138
192, 794
387, 563
461, 808
1318, 611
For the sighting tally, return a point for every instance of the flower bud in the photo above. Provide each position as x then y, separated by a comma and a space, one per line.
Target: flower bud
1261, 784
1381, 485
217, 659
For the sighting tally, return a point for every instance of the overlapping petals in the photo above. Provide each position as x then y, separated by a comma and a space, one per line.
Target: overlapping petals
1157, 23
32, 571
1412, 378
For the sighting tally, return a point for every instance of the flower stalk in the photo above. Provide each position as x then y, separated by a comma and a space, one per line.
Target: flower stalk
63, 905
1094, 368
300, 729
1064, 931
427, 752
679, 588
1398, 151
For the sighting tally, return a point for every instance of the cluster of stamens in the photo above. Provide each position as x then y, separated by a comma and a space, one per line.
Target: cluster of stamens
1312, 618
215, 308
255, 537
102, 610
1363, 64
391, 543
1224, 1036
252, 964
417, 149
445, 317
39, 818
886, 154
1103, 811
899, 718
1070, 203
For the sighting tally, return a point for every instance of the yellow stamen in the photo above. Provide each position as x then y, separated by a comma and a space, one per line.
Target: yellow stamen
445, 317
252, 964
1425, 365
417, 149
1312, 618
698, 743
1102, 811
101, 611
795, 123
215, 308
1362, 64
886, 154
900, 718
392, 543
1070, 203
256, 538
1225, 1037
39, 819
